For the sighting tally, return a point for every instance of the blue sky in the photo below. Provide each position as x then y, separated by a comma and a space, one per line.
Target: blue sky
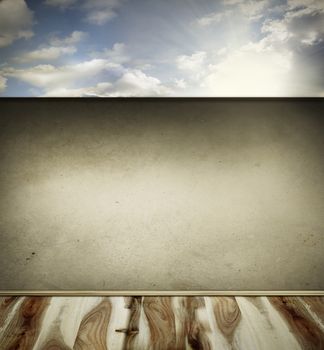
161, 48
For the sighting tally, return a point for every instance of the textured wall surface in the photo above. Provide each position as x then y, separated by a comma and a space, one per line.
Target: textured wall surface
161, 194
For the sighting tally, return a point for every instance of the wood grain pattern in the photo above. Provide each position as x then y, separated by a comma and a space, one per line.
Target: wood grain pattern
302, 323
161, 323
227, 315
197, 338
22, 330
6, 306
93, 328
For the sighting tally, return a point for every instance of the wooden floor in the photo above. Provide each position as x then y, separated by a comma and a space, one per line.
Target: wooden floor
162, 323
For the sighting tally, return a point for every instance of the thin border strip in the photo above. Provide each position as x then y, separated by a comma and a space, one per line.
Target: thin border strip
160, 293
166, 98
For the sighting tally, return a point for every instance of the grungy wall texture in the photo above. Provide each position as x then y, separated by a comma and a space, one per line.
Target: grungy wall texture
162, 194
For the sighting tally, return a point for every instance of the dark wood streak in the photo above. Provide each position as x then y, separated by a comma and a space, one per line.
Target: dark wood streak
197, 338
161, 322
316, 304
23, 329
93, 329
301, 323
227, 315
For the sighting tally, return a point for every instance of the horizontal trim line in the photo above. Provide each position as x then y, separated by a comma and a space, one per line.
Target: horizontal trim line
160, 293
96, 98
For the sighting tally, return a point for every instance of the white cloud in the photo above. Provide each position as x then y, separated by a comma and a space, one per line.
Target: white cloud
56, 50
192, 62
270, 66
136, 83
303, 23
63, 4
74, 38
100, 17
3, 83
249, 71
254, 69
73, 80
51, 77
97, 90
222, 51
132, 83
180, 83
232, 2
252, 9
45, 54
214, 17
276, 30
101, 11
16, 21
117, 54
97, 12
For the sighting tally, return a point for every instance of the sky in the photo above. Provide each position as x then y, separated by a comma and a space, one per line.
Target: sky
190, 48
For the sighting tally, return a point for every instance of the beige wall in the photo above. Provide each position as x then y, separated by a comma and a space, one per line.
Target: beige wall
161, 194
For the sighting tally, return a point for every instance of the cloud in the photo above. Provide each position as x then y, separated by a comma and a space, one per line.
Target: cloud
99, 17
101, 11
136, 83
299, 25
50, 77
3, 84
284, 62
180, 83
62, 4
232, 2
45, 54
16, 21
96, 90
81, 79
117, 54
97, 12
252, 9
252, 70
74, 38
56, 50
191, 62
132, 82
214, 17
310, 4
276, 31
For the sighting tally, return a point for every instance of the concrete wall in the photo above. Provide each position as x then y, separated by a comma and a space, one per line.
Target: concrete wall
162, 194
